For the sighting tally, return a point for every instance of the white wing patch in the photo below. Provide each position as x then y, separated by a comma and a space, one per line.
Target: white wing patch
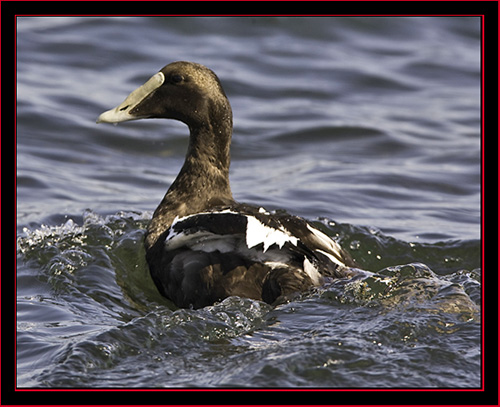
312, 272
202, 240
331, 249
331, 257
258, 233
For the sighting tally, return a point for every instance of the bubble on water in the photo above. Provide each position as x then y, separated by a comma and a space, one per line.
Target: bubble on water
355, 245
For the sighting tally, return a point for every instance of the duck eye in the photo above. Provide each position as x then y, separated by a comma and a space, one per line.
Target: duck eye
177, 78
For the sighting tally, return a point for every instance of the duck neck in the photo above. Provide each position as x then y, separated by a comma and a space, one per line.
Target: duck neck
205, 173
202, 183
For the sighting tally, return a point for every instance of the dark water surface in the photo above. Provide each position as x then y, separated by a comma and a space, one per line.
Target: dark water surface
369, 127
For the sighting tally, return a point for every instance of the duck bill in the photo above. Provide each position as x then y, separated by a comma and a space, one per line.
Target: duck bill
122, 112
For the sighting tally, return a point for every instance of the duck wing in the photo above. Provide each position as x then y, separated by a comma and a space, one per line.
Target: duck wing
242, 250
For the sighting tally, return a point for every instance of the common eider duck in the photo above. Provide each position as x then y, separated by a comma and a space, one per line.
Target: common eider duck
201, 245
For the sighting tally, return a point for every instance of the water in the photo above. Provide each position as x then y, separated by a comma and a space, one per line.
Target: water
369, 127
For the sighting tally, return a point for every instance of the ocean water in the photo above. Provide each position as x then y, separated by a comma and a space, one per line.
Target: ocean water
369, 127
